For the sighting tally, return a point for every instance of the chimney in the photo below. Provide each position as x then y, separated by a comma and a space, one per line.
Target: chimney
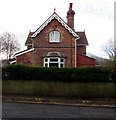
70, 16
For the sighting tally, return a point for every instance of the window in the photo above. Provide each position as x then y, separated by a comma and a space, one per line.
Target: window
54, 62
53, 59
54, 36
46, 60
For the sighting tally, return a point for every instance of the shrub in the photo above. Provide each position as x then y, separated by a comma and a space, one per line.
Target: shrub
81, 74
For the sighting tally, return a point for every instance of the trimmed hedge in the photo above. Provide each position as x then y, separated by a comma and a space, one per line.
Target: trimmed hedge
81, 74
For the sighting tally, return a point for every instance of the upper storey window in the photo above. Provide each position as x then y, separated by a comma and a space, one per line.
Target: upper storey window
54, 36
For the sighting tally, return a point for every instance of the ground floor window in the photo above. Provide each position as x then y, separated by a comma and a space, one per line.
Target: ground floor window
54, 62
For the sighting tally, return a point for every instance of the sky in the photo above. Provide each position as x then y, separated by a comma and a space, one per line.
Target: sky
96, 17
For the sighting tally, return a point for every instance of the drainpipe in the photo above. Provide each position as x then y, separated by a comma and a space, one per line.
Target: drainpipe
76, 52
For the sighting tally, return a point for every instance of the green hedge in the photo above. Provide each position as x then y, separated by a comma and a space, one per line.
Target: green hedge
81, 74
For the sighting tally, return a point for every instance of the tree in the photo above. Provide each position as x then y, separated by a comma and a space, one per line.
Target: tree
110, 49
8, 45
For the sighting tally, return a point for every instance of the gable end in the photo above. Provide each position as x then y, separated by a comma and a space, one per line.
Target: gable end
54, 16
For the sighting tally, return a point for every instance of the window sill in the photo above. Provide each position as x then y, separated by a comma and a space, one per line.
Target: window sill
54, 42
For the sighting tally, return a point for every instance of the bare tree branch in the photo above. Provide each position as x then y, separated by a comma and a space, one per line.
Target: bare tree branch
8, 45
110, 49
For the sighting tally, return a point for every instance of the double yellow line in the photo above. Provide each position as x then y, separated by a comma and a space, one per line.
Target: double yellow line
56, 103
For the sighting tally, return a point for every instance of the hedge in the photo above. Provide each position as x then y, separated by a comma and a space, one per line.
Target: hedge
81, 74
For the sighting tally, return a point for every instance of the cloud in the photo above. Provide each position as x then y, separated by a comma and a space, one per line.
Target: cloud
95, 16
101, 8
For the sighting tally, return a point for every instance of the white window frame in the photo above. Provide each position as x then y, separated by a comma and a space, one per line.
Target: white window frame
59, 62
54, 36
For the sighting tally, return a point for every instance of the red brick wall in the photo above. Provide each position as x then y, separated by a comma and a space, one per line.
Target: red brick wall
25, 59
81, 49
43, 38
83, 60
42, 45
66, 46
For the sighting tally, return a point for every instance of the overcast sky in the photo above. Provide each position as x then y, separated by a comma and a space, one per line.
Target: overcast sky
96, 17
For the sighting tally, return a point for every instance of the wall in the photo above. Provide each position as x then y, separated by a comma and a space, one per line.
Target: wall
83, 60
66, 44
25, 59
74, 89
81, 49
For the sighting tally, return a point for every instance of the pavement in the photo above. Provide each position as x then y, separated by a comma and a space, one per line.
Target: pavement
110, 103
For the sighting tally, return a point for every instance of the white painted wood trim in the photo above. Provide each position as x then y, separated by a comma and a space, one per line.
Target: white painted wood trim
54, 16
13, 62
18, 54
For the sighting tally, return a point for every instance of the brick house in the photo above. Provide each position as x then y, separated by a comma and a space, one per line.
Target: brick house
56, 43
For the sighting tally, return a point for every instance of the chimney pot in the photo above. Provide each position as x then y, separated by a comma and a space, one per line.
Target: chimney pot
70, 7
70, 16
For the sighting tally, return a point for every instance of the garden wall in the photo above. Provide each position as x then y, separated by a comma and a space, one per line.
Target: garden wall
60, 89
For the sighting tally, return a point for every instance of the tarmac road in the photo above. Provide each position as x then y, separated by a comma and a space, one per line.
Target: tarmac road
35, 110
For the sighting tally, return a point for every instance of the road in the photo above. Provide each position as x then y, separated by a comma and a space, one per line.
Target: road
33, 110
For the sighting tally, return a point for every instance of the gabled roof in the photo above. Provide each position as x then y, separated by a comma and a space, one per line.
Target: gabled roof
60, 20
29, 40
82, 40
